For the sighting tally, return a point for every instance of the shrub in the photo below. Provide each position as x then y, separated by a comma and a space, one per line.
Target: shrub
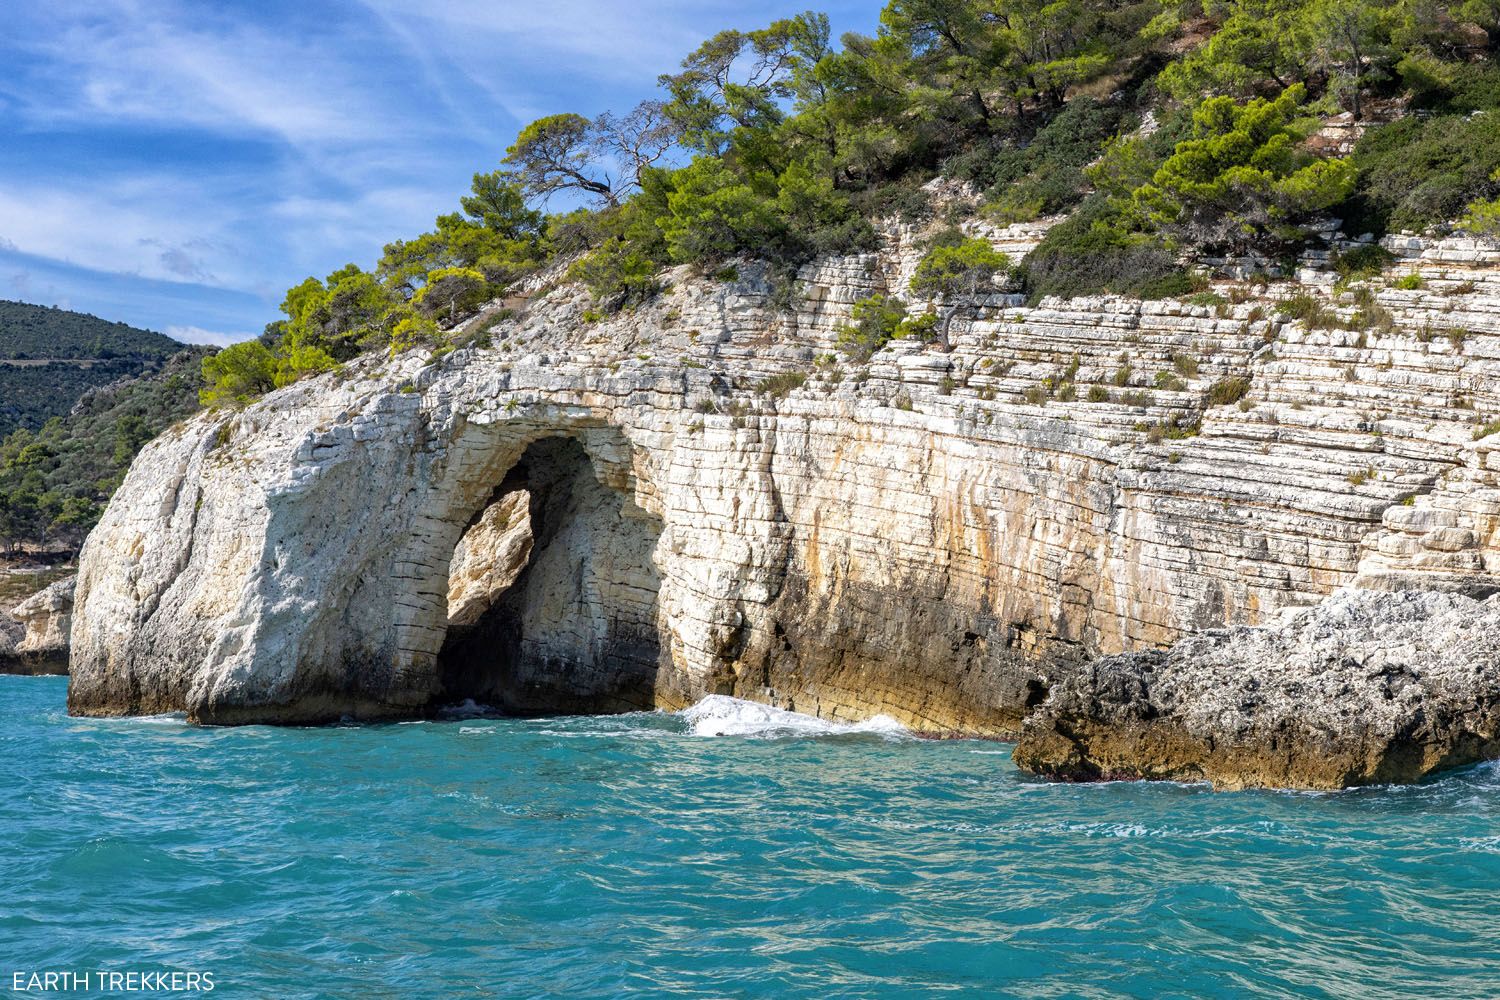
1228, 390
1241, 175
1362, 262
712, 214
1419, 172
958, 267
1046, 175
1482, 219
1092, 253
1098, 394
451, 291
618, 273
1168, 286
874, 321
920, 328
1305, 307
412, 331
781, 384
237, 374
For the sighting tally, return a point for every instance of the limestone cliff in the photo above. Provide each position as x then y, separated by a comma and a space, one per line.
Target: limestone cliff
34, 636
706, 496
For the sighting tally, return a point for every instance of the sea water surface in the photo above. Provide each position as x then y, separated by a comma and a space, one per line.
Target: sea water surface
638, 856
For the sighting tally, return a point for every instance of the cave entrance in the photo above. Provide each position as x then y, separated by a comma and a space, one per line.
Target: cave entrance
553, 592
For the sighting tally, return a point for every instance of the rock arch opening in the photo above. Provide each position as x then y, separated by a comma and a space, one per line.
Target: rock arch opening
553, 593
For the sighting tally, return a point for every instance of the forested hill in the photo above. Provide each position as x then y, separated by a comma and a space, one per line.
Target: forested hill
49, 358
32, 332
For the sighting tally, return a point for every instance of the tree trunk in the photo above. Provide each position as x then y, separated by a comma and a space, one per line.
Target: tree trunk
944, 344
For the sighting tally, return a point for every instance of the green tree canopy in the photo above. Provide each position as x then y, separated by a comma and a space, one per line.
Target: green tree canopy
238, 373
1241, 177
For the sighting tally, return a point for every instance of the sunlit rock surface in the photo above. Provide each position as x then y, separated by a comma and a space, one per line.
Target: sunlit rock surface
935, 536
34, 636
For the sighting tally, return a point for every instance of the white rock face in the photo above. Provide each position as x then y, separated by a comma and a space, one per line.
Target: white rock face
933, 535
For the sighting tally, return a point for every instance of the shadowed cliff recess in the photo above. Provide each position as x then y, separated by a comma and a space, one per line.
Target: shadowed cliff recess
570, 623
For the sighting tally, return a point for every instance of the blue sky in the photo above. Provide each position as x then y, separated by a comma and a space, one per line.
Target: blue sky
177, 165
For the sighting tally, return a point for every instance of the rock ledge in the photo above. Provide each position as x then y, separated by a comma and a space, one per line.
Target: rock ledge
1366, 688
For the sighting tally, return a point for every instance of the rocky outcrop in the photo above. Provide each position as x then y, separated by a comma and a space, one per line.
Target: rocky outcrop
34, 637
489, 557
720, 500
11, 632
1365, 688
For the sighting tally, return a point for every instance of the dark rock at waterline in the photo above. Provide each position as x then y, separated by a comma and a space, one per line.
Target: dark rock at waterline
1366, 688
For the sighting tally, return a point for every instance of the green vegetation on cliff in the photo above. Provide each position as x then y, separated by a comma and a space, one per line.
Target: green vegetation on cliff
1163, 128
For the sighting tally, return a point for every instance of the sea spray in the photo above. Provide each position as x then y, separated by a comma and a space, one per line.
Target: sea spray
721, 715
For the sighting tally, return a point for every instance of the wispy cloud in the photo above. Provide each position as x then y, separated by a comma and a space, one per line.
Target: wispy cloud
183, 163
180, 65
198, 335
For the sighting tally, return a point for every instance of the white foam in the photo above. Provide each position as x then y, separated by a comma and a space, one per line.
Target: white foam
721, 715
161, 719
468, 709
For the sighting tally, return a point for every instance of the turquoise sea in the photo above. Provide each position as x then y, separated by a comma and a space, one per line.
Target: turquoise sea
630, 856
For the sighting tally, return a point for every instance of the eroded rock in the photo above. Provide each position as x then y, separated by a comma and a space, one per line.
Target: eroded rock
1365, 688
34, 638
489, 557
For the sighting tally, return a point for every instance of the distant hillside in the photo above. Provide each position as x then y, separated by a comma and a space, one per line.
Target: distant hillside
54, 481
32, 332
49, 358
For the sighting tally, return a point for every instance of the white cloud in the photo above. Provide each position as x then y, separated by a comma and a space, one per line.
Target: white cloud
603, 39
156, 62
198, 335
113, 229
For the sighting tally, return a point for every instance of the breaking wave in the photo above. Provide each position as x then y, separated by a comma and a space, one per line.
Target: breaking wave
721, 715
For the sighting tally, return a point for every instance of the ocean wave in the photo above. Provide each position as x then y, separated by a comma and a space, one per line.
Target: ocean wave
160, 719
466, 709
721, 715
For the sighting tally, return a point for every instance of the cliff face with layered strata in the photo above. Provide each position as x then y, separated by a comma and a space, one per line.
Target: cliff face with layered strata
653, 507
